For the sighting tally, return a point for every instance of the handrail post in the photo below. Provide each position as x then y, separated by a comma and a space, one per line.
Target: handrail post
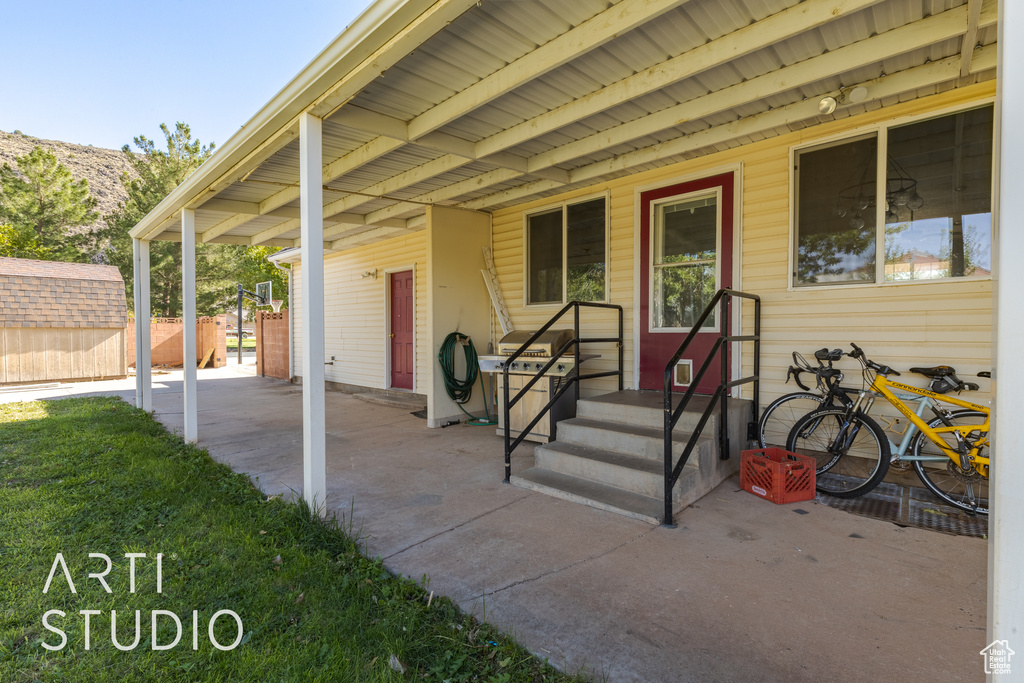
510, 443
508, 428
757, 360
576, 332
722, 302
723, 420
667, 520
622, 345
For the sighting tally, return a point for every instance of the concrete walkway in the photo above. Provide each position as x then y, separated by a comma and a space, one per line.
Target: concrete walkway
742, 590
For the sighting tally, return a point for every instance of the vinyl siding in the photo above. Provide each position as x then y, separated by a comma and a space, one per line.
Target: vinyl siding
356, 311
902, 325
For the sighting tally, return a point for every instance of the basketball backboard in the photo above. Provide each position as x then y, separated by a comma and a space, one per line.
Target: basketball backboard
263, 292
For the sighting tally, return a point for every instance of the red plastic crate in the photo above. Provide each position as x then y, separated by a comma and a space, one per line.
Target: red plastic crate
777, 475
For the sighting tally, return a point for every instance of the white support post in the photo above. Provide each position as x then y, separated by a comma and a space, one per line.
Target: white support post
1006, 519
143, 341
188, 322
137, 284
314, 423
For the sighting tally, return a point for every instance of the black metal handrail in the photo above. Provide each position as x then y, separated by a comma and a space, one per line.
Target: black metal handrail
672, 415
572, 381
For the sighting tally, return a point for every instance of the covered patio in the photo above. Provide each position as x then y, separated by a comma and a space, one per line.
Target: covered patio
742, 590
423, 114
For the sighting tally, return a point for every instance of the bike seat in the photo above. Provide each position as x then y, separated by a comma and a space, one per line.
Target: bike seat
985, 373
937, 371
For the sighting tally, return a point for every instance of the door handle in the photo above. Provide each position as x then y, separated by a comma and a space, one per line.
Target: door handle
392, 335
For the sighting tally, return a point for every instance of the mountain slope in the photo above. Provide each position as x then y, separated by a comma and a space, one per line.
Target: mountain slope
101, 167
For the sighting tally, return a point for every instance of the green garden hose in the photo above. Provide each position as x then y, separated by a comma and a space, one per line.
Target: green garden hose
458, 390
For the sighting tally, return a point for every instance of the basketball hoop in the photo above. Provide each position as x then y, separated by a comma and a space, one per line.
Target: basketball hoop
276, 303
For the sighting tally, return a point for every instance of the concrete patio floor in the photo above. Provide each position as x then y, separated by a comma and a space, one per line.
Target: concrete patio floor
741, 590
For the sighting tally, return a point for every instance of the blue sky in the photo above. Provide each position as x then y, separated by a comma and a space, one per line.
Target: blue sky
103, 73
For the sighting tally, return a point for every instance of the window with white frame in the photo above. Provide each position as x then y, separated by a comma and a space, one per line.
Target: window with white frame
907, 202
566, 252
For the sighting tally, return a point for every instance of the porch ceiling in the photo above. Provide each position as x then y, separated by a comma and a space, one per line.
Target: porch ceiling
482, 105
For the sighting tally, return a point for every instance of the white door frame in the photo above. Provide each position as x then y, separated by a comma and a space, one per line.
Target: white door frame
737, 241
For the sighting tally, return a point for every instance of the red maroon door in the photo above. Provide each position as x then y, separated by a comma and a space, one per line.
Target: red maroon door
401, 333
686, 235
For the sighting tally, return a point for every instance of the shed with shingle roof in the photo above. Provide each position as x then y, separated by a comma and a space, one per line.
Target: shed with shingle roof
61, 321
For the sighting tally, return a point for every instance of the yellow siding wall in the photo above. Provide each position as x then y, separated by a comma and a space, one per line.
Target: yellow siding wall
900, 325
356, 310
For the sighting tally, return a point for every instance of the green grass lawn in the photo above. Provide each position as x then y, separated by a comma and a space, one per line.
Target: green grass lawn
246, 343
80, 476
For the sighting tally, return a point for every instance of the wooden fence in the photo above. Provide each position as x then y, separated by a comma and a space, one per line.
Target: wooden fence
272, 344
165, 335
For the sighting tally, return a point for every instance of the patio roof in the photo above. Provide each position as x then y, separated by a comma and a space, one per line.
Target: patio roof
486, 104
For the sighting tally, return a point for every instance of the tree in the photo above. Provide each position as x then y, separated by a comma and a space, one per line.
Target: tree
155, 173
44, 211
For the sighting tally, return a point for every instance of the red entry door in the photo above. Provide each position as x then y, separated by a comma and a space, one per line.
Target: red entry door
401, 332
686, 233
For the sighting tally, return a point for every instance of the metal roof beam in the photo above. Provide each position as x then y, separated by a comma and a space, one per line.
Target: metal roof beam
473, 184
928, 31
225, 226
457, 152
224, 239
419, 30
388, 31
757, 36
368, 237
333, 225
594, 32
879, 88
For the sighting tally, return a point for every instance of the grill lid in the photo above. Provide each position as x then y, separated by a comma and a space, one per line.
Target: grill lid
548, 344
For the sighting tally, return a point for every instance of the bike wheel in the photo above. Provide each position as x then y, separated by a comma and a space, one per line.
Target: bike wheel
851, 453
781, 414
966, 491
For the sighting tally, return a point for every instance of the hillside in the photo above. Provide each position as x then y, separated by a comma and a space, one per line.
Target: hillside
101, 167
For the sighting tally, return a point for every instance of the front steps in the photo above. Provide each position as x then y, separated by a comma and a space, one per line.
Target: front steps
611, 455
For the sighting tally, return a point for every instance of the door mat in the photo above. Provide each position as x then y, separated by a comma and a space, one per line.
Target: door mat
910, 506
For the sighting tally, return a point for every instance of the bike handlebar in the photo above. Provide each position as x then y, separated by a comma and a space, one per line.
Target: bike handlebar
858, 353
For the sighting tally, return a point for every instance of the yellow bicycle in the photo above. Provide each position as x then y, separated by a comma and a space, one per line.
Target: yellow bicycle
949, 452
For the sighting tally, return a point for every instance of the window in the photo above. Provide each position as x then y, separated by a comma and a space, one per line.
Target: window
932, 220
565, 249
685, 260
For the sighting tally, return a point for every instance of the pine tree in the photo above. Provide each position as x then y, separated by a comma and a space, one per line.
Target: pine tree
44, 211
156, 173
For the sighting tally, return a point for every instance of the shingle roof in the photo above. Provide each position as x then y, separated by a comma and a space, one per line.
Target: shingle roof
53, 294
58, 269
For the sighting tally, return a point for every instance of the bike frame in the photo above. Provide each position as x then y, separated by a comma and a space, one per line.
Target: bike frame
883, 386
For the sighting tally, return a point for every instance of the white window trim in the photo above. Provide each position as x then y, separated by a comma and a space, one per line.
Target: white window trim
881, 131
563, 205
717, 192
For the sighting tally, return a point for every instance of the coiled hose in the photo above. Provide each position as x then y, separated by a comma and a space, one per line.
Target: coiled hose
458, 390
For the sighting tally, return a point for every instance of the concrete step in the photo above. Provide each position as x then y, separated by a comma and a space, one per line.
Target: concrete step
646, 409
410, 402
631, 473
645, 442
600, 496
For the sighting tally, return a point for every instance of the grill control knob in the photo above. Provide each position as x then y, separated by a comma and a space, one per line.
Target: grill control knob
561, 368
515, 366
540, 365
